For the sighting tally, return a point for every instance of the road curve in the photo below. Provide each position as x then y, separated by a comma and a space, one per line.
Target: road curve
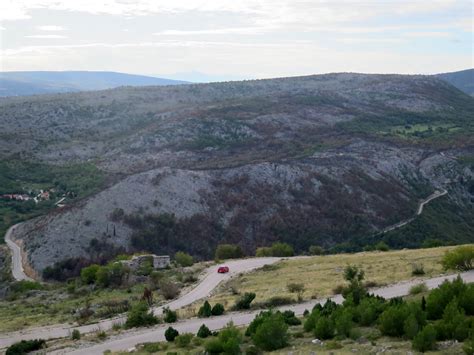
17, 265
209, 281
434, 195
128, 340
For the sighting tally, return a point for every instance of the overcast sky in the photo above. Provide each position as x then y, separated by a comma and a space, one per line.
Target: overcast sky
237, 38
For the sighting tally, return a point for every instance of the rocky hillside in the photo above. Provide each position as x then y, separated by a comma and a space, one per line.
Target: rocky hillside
326, 160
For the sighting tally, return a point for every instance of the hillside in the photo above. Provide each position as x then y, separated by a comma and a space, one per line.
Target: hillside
463, 80
49, 82
319, 160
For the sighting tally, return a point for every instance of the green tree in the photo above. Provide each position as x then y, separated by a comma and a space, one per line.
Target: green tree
89, 274
425, 340
203, 332
263, 252
343, 322
217, 309
171, 334
205, 311
272, 333
230, 338
169, 315
245, 300
324, 328
393, 319
183, 259
315, 250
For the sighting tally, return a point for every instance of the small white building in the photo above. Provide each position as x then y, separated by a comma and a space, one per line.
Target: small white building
158, 261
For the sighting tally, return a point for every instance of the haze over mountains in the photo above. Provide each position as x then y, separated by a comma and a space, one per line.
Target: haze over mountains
324, 160
48, 82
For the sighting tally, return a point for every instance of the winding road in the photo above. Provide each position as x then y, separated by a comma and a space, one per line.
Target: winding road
17, 265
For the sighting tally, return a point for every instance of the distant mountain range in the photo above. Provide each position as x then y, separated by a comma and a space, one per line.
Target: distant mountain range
463, 80
24, 83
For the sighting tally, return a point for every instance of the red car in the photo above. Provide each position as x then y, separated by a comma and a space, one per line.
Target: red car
223, 269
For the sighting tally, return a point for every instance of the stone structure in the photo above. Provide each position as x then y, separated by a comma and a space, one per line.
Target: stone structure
158, 261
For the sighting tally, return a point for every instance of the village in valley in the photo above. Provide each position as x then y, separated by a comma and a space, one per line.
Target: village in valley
38, 196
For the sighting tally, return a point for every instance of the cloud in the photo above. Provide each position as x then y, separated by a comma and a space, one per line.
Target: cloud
50, 28
46, 36
217, 31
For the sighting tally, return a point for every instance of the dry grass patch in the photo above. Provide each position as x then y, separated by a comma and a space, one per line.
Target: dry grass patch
320, 275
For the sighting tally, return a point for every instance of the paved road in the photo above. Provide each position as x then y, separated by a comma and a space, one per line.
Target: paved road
209, 281
17, 266
128, 340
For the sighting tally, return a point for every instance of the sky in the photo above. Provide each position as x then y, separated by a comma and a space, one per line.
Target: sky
237, 39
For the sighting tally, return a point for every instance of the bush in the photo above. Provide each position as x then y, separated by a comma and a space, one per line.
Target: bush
140, 316
228, 251
245, 300
466, 300
369, 310
230, 338
214, 346
417, 270
315, 250
425, 340
420, 288
217, 309
343, 323
290, 318
282, 249
25, 286
324, 328
263, 252
76, 334
169, 315
183, 259
411, 327
171, 334
255, 323
205, 310
438, 298
461, 258
183, 340
271, 333
469, 345
295, 287
89, 274
382, 246
25, 346
203, 332
168, 289
392, 320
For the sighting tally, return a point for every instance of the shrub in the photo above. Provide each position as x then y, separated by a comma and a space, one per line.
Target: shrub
392, 320
438, 298
272, 333
295, 287
140, 316
461, 258
255, 323
425, 340
183, 340
152, 347
171, 334
466, 300
453, 318
231, 338
290, 318
168, 289
315, 250
263, 252
217, 309
282, 249
276, 301
343, 322
169, 315
417, 270
411, 327
420, 288
228, 251
214, 346
368, 310
203, 332
89, 274
205, 310
468, 347
382, 246
25, 286
183, 259
324, 328
25, 346
245, 300
76, 334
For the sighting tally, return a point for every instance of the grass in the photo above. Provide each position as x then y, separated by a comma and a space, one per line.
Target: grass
321, 274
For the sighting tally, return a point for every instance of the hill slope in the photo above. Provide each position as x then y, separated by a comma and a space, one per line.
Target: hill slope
48, 82
463, 80
327, 160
